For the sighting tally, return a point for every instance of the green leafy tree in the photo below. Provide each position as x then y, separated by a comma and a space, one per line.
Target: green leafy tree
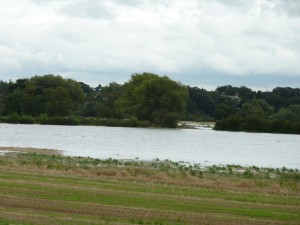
49, 94
200, 102
259, 95
225, 110
86, 88
101, 102
294, 100
232, 123
108, 95
294, 109
3, 92
286, 92
255, 123
246, 94
276, 101
257, 107
227, 90
153, 98
291, 113
15, 102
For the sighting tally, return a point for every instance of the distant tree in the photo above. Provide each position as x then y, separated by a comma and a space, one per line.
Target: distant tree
15, 102
283, 114
258, 107
153, 98
20, 83
283, 97
49, 94
224, 110
232, 123
3, 92
227, 90
98, 88
294, 100
200, 102
90, 108
246, 94
3, 87
259, 95
106, 97
109, 94
86, 88
294, 109
58, 102
255, 123
276, 101
286, 92
291, 113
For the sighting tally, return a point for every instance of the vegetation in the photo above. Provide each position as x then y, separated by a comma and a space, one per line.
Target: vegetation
152, 98
51, 189
51, 95
148, 100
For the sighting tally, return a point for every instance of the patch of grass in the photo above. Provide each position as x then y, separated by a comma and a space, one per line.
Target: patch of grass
52, 189
10, 222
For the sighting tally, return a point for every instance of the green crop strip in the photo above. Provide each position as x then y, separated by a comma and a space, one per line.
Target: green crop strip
31, 191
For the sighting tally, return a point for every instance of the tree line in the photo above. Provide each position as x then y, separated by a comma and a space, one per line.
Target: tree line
148, 99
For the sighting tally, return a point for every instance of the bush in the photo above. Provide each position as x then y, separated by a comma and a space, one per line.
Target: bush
63, 121
42, 119
132, 122
279, 126
235, 123
256, 124
232, 123
295, 127
16, 118
284, 126
91, 121
166, 120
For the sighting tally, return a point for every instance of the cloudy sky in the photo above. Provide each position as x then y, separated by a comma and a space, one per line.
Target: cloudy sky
205, 43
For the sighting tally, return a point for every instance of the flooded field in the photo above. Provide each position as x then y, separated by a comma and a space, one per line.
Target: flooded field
204, 146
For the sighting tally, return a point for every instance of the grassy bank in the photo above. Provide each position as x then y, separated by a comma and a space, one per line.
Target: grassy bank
75, 120
48, 188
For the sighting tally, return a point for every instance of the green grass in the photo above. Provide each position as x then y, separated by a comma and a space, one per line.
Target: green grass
75, 190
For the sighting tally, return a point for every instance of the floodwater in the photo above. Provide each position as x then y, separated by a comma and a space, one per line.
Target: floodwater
204, 146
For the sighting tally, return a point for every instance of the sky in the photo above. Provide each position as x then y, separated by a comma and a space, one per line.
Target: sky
204, 43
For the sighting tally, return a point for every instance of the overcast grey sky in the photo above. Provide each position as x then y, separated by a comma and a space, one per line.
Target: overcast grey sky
205, 43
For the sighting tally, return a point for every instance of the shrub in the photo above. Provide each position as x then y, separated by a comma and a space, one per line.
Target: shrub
232, 123
43, 119
16, 118
63, 121
168, 120
256, 124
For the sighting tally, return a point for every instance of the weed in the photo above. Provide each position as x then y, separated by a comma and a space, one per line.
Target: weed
248, 174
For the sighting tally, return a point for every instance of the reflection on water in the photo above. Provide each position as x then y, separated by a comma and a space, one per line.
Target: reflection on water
196, 146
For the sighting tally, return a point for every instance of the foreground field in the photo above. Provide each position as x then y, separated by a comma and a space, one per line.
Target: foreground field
51, 189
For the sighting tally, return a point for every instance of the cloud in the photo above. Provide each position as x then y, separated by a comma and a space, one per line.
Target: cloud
288, 7
129, 2
191, 41
87, 9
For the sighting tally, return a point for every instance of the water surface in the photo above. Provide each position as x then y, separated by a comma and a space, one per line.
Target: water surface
203, 146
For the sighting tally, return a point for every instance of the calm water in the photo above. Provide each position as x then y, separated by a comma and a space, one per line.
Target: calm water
195, 146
